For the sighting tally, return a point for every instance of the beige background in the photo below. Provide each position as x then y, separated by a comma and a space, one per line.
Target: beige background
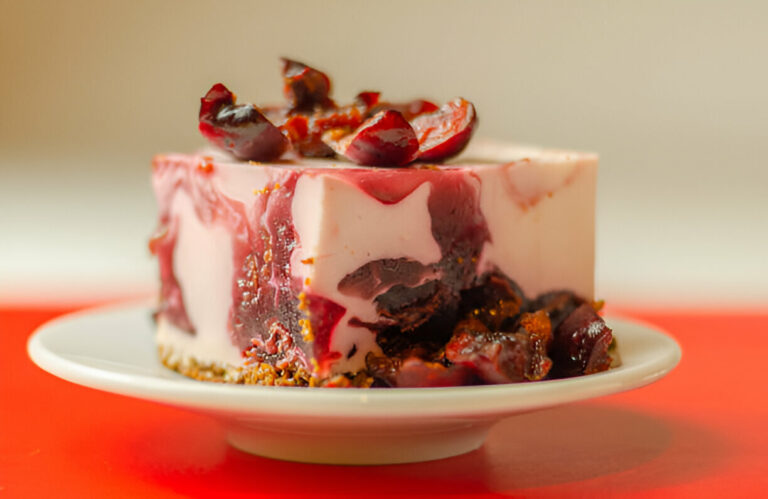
673, 95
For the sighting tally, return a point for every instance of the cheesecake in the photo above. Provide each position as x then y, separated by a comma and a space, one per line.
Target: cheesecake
372, 245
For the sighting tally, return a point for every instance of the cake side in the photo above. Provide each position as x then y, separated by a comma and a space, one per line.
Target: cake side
323, 260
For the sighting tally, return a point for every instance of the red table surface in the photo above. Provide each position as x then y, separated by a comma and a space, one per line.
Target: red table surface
702, 431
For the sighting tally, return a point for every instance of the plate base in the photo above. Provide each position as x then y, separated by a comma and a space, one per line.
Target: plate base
358, 445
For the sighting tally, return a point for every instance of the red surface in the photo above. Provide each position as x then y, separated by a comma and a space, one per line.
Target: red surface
700, 432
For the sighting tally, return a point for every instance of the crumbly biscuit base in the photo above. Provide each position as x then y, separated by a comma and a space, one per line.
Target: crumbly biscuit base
255, 373
220, 372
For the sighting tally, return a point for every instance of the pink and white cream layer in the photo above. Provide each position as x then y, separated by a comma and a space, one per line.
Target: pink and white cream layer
311, 247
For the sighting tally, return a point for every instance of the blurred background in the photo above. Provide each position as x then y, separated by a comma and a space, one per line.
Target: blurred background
673, 95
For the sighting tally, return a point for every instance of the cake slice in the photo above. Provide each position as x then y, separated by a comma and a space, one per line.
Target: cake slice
341, 246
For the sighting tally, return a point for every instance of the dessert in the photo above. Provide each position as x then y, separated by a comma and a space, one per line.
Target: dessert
329, 245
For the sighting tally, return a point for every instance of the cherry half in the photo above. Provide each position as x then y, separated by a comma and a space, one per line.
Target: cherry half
445, 132
386, 139
239, 128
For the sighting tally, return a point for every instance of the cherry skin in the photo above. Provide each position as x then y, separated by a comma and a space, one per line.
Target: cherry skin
239, 128
386, 139
305, 88
581, 343
445, 132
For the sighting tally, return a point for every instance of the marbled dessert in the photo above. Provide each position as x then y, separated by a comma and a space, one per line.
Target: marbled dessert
291, 260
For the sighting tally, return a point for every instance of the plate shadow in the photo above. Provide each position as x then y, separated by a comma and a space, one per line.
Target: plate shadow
596, 445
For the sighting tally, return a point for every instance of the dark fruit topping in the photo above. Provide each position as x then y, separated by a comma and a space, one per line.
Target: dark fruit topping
377, 276
217, 97
305, 88
446, 132
240, 129
557, 304
386, 139
489, 333
368, 132
306, 131
495, 300
502, 357
414, 371
305, 141
410, 307
580, 343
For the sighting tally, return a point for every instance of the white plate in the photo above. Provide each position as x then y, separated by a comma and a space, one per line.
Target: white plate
113, 349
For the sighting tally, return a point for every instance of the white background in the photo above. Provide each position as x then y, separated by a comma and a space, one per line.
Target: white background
673, 95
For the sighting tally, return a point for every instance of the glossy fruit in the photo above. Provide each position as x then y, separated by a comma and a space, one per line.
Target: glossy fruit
500, 357
446, 132
240, 129
305, 88
386, 139
581, 342
306, 131
369, 131
306, 142
217, 97
495, 301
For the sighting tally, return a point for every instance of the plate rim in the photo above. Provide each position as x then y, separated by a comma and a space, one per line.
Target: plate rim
466, 401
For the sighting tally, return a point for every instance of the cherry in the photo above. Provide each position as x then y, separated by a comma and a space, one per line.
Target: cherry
305, 87
240, 129
445, 132
305, 130
581, 342
501, 357
218, 96
386, 139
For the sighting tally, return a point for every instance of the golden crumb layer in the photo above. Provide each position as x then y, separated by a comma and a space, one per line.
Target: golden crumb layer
255, 374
